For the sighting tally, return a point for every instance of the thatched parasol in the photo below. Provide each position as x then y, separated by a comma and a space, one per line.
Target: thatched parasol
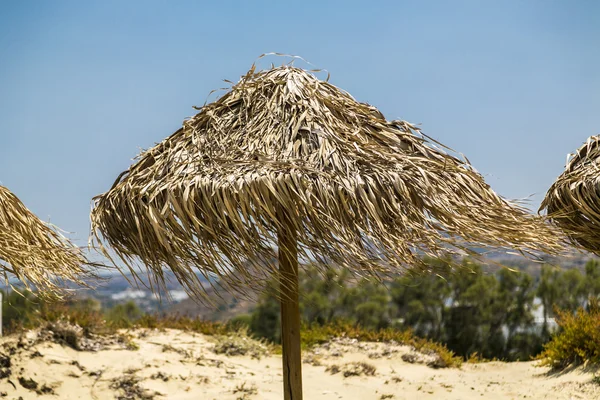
573, 200
35, 252
286, 158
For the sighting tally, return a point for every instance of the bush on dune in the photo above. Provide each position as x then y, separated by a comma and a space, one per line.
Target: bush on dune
316, 334
578, 340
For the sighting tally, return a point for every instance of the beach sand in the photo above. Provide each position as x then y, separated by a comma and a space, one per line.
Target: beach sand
171, 364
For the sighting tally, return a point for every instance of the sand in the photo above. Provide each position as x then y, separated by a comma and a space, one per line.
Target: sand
171, 364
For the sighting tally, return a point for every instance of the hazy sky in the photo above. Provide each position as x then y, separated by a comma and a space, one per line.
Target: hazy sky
84, 86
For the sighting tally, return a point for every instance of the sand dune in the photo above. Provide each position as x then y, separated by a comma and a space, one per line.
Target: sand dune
171, 364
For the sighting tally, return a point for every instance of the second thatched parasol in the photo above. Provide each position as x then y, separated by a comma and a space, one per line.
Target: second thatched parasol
288, 159
573, 200
36, 253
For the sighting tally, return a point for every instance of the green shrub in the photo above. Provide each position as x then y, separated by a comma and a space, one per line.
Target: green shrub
26, 311
241, 321
19, 311
577, 341
123, 315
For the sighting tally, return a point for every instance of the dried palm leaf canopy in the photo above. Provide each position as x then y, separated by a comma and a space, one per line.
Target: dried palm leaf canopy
285, 151
573, 200
36, 253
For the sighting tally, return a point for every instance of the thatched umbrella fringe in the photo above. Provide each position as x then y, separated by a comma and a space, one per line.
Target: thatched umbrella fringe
36, 253
573, 200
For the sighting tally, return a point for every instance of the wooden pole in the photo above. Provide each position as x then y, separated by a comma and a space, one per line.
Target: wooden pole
290, 308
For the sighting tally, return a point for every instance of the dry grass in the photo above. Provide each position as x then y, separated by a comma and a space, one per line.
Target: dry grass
129, 388
573, 200
284, 150
245, 391
36, 252
239, 344
209, 328
182, 352
352, 369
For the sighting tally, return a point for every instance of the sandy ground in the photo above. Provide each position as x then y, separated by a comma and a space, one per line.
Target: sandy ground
178, 365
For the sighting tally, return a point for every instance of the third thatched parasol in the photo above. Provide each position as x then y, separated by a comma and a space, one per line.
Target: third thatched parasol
573, 200
35, 252
288, 159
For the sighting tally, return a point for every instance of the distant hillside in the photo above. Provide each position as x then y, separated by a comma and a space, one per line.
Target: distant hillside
573, 260
225, 307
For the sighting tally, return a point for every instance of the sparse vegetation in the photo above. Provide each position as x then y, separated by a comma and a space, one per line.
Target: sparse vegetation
129, 343
245, 391
25, 311
184, 323
123, 315
239, 344
5, 365
160, 375
352, 369
183, 352
65, 333
28, 383
475, 358
318, 334
130, 389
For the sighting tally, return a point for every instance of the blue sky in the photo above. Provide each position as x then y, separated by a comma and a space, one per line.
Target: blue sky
84, 86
